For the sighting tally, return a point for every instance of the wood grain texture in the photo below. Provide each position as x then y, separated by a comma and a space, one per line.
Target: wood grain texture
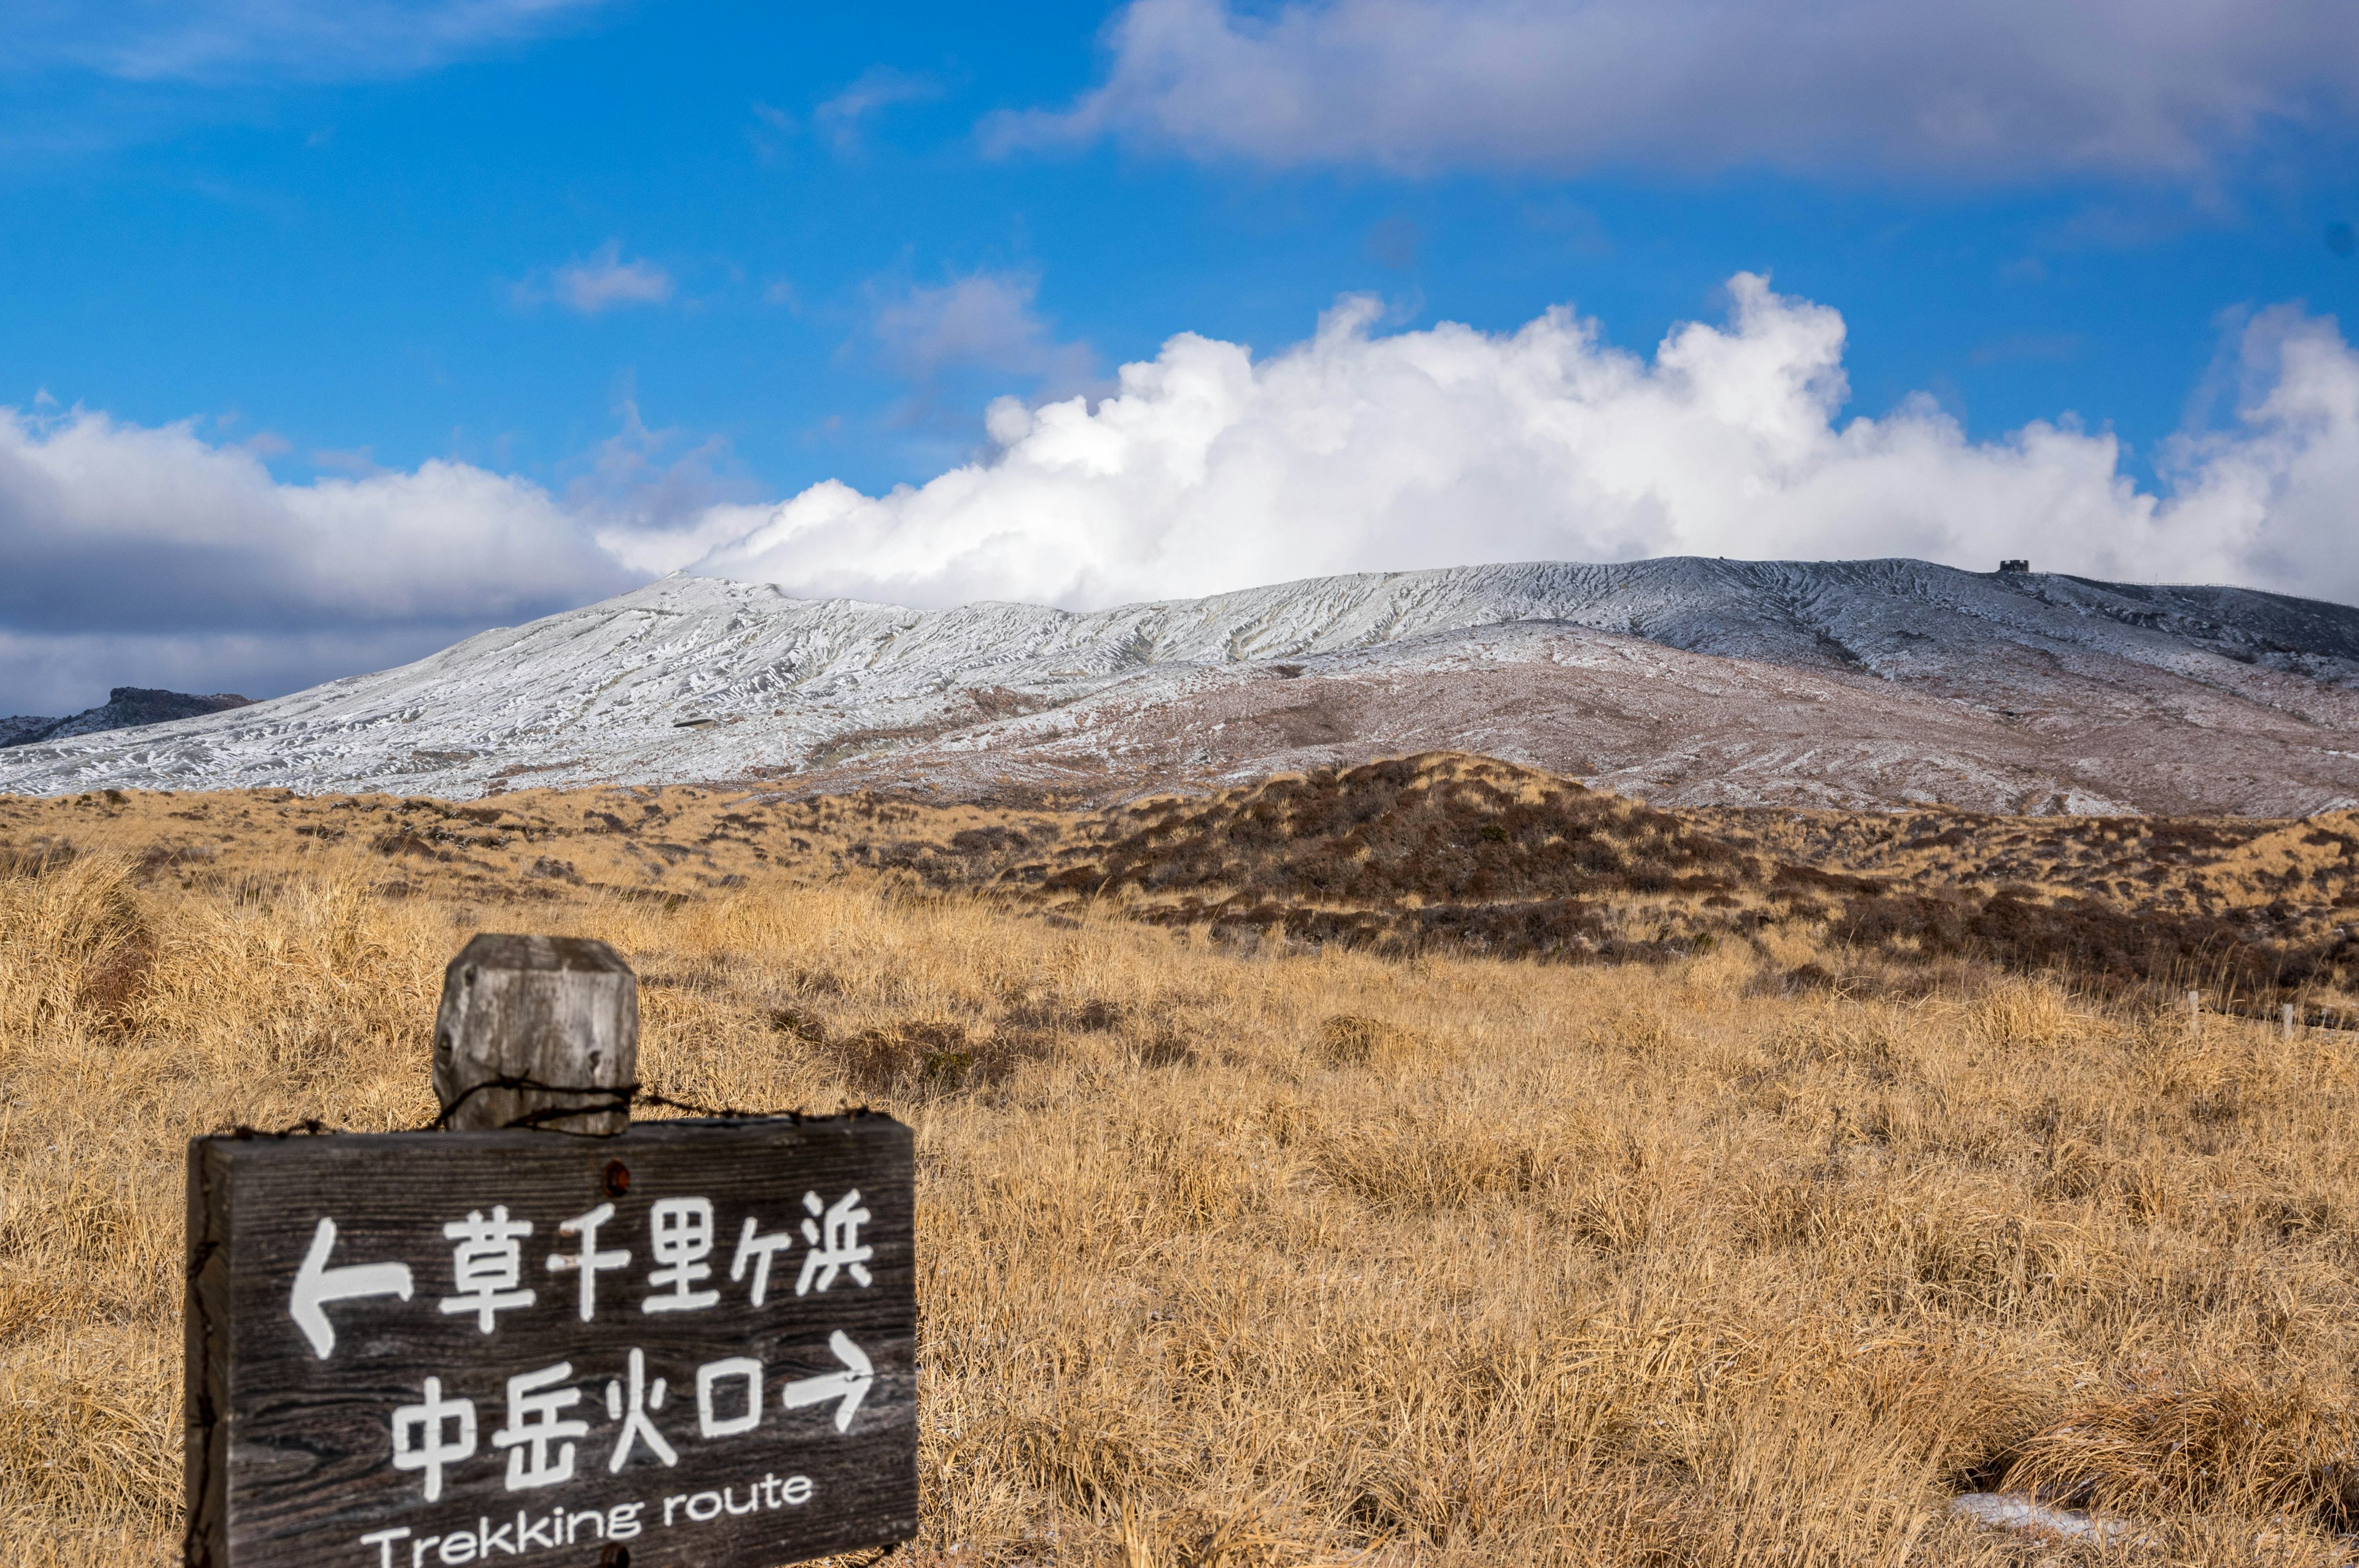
552, 1010
291, 1452
205, 1454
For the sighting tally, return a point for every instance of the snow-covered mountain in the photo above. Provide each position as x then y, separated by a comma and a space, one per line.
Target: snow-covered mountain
1684, 680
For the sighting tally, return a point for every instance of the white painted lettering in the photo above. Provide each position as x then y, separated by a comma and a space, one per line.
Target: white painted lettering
679, 1232
486, 1537
797, 1490
631, 1408
420, 1441
316, 1284
418, 1550
574, 1523
534, 1427
757, 1251
383, 1541
734, 1369
622, 1521
457, 1549
589, 1261
486, 1264
698, 1512
834, 1236
528, 1533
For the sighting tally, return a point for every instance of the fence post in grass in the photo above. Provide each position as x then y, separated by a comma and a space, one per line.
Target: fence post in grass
2287, 1013
559, 1011
2194, 1009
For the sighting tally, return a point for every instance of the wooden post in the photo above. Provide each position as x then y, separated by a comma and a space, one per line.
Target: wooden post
383, 1328
556, 1010
2288, 1016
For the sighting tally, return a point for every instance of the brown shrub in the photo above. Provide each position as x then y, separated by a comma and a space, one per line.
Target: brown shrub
1356, 1040
2226, 1445
925, 1055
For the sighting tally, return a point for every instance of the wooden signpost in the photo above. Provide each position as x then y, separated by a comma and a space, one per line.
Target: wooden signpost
683, 1343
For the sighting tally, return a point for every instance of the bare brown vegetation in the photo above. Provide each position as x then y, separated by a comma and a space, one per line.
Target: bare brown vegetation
1416, 853
1276, 1252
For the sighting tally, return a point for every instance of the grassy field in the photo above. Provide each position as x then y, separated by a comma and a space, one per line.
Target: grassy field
1243, 1252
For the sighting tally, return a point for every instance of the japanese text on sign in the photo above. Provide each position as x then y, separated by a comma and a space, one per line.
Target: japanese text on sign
698, 1339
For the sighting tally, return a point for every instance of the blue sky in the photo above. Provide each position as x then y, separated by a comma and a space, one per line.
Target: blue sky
640, 272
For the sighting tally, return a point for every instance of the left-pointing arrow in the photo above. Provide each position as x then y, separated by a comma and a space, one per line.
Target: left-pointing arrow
316, 1284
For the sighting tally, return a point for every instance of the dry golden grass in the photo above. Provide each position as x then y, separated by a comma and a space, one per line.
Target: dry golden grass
672, 841
1440, 850
1296, 1256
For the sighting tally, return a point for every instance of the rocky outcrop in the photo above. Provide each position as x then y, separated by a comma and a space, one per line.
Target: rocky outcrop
125, 708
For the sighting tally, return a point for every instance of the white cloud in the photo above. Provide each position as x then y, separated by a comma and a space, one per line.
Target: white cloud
1976, 88
189, 561
153, 557
219, 40
841, 118
1353, 451
986, 320
599, 282
652, 506
2275, 489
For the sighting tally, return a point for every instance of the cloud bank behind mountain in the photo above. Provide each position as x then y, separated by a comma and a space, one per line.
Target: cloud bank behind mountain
153, 557
1208, 471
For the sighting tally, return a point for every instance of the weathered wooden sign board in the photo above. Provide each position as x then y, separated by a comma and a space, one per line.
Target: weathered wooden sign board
691, 1343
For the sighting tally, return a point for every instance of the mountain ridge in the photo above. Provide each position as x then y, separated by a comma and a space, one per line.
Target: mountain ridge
126, 706
1874, 682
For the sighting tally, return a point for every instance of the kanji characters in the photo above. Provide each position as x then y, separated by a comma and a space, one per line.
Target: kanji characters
487, 1263
631, 1408
544, 1427
589, 1260
735, 1369
421, 1440
833, 1233
679, 1233
540, 1436
534, 1427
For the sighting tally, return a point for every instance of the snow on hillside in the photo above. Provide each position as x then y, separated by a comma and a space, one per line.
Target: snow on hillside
700, 679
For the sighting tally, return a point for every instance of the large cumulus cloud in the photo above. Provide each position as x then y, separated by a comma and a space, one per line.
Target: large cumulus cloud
1359, 451
151, 557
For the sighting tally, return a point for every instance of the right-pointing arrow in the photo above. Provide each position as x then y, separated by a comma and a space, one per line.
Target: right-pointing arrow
850, 1385
316, 1284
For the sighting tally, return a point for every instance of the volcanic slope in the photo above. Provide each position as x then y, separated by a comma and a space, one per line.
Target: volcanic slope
1683, 681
